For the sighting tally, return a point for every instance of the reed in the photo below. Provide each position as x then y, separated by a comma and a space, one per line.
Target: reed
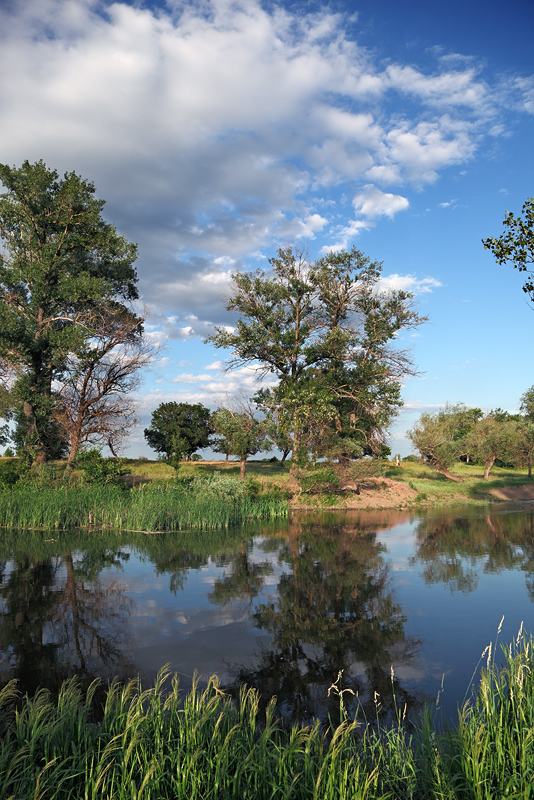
157, 744
202, 503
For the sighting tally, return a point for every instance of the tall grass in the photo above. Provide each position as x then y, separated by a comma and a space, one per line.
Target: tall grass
209, 503
157, 744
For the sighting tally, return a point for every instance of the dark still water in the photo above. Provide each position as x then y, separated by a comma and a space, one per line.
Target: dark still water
283, 607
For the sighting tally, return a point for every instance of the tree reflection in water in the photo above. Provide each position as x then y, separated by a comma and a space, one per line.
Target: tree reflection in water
335, 611
58, 620
451, 547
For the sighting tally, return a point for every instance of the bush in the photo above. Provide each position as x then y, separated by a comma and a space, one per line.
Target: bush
9, 473
101, 470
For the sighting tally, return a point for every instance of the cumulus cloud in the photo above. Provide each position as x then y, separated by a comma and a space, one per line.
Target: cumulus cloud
371, 203
215, 129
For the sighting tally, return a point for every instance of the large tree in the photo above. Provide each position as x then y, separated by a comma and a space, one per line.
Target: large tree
61, 264
179, 429
516, 245
328, 332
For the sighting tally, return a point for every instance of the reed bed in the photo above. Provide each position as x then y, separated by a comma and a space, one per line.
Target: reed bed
203, 504
157, 744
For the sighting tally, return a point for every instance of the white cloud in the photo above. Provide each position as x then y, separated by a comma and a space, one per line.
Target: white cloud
216, 128
371, 203
408, 283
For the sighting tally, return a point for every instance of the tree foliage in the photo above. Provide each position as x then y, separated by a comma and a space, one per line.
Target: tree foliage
61, 265
444, 437
329, 335
242, 433
179, 429
493, 437
516, 245
440, 437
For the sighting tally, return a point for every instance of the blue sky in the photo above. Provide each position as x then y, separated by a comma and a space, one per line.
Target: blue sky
217, 130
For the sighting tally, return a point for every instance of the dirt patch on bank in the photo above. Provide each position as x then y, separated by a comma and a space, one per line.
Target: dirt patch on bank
525, 492
374, 493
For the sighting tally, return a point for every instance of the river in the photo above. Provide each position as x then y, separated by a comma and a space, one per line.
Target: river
401, 603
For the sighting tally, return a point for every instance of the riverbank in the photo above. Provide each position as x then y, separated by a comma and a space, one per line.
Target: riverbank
158, 744
268, 492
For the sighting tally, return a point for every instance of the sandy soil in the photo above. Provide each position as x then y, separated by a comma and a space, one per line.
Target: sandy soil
375, 493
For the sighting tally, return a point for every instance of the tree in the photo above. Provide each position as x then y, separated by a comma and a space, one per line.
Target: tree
94, 401
436, 437
516, 245
179, 429
493, 437
243, 434
328, 334
525, 454
61, 265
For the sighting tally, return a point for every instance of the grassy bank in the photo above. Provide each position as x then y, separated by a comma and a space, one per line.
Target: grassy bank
209, 495
434, 490
156, 744
204, 503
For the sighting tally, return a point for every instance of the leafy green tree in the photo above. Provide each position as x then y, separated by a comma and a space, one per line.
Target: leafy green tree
179, 429
525, 450
516, 245
60, 265
57, 442
243, 434
493, 437
440, 438
329, 335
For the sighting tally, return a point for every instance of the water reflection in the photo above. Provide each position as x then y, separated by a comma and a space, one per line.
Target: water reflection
453, 547
335, 611
283, 607
58, 621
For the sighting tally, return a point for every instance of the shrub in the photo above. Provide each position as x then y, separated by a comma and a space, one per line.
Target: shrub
100, 470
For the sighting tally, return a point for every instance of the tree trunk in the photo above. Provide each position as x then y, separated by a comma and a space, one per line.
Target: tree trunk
113, 453
73, 452
242, 468
285, 455
488, 466
447, 474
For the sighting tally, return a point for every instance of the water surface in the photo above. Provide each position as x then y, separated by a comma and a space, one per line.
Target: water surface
400, 602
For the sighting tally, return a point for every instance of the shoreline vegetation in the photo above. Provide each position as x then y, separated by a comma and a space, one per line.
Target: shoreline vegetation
207, 495
158, 744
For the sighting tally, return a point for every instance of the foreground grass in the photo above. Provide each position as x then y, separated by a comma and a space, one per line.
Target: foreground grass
156, 744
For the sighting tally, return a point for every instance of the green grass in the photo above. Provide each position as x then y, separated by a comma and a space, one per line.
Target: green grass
267, 478
212, 503
158, 744
435, 490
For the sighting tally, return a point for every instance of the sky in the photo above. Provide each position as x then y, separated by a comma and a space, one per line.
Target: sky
217, 130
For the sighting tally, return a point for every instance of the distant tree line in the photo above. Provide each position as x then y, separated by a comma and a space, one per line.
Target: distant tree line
458, 433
